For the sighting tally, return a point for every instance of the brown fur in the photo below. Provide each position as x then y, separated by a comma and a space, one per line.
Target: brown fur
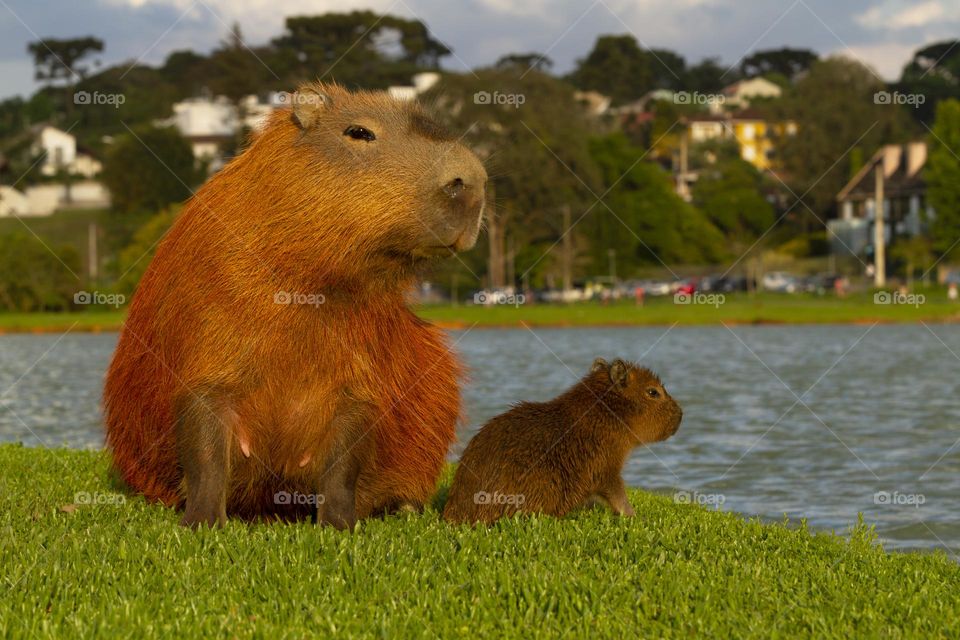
220, 395
552, 457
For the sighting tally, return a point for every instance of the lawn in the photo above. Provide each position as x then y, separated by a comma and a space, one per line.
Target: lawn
735, 309
82, 559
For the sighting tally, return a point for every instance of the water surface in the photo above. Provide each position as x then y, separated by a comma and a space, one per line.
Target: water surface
816, 422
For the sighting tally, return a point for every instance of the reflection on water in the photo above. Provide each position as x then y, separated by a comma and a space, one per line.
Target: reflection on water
816, 422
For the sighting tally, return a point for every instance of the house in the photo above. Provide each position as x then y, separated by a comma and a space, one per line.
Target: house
422, 82
755, 135
905, 207
739, 94
60, 153
70, 171
211, 125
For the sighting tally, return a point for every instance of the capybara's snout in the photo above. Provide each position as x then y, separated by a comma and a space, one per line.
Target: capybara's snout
462, 188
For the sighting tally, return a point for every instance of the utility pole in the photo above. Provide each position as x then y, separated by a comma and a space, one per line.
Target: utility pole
612, 260
567, 258
879, 249
92, 260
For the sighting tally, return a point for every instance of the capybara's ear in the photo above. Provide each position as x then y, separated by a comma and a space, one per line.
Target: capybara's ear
308, 103
618, 373
599, 365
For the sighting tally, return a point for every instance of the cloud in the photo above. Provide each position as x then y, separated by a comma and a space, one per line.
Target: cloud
480, 31
897, 15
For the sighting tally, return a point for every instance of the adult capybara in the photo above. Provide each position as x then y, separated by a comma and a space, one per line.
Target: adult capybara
269, 359
552, 457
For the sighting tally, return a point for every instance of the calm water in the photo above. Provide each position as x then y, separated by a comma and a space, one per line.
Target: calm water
812, 422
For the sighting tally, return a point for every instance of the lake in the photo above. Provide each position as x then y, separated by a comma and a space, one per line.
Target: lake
815, 422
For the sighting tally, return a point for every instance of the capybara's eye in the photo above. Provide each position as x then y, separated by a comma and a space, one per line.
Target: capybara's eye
357, 132
653, 392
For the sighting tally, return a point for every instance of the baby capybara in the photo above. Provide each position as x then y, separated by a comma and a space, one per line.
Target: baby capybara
269, 361
552, 457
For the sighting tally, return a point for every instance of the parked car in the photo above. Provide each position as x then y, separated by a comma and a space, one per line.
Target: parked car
821, 283
780, 282
718, 283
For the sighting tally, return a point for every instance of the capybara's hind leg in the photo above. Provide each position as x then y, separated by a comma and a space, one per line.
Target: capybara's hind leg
353, 450
203, 443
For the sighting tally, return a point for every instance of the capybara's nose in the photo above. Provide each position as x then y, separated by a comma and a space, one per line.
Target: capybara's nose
454, 188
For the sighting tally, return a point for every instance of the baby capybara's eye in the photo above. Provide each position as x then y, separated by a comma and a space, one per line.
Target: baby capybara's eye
357, 132
653, 392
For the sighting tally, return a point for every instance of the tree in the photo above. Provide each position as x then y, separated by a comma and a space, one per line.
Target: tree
524, 61
835, 112
133, 259
943, 180
359, 48
708, 76
149, 169
34, 279
616, 67
934, 73
646, 222
786, 62
59, 60
729, 193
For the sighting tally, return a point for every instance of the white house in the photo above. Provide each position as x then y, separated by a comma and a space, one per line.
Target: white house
422, 82
739, 94
59, 151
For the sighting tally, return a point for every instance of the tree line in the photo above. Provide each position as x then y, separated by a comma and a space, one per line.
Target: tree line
573, 194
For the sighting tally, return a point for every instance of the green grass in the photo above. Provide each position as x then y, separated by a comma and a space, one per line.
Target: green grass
736, 309
128, 570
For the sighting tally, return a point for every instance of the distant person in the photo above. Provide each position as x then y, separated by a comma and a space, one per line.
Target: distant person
952, 292
840, 287
638, 295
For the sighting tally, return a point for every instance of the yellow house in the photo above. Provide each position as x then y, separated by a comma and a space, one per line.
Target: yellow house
755, 135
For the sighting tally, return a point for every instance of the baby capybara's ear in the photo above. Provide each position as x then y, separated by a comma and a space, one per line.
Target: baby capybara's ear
619, 372
599, 365
309, 102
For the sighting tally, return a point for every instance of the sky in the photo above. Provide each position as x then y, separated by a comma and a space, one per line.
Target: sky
880, 33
